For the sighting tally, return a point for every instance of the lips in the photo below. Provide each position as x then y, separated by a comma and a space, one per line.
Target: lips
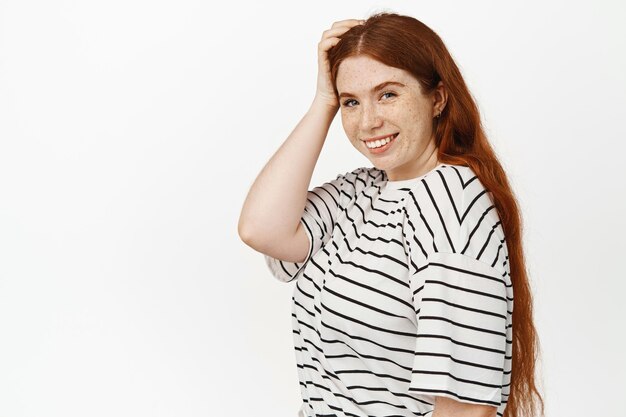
374, 142
380, 137
383, 148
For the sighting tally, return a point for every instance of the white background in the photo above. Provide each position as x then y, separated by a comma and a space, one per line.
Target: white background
130, 132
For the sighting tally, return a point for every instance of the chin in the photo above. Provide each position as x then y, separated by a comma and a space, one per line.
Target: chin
380, 166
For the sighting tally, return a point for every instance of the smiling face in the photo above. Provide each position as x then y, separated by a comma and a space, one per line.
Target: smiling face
397, 106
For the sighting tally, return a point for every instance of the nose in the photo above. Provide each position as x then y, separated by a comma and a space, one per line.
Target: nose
370, 118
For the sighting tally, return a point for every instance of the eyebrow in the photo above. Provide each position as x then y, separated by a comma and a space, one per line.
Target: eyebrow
378, 87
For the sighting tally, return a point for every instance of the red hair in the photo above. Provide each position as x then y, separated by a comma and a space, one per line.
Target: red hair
406, 43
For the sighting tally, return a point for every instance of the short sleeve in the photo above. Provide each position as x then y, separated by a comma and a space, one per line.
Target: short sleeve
463, 322
462, 292
320, 214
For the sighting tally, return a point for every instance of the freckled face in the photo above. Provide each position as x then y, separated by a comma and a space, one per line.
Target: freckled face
402, 109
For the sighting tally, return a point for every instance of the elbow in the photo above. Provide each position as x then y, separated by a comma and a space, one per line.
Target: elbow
252, 237
244, 233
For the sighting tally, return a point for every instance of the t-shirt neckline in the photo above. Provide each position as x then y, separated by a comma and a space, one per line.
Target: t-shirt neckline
409, 182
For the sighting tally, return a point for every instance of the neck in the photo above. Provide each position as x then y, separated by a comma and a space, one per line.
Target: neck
426, 162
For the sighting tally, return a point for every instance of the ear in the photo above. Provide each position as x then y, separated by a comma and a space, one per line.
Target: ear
440, 98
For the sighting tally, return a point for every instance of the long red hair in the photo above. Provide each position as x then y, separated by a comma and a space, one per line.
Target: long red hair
406, 43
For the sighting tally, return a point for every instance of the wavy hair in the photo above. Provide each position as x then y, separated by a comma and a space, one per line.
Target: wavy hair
404, 42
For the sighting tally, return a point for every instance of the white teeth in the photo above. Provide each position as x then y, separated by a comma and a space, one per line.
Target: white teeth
378, 143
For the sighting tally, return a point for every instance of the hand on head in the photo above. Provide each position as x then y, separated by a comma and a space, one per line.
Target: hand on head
330, 38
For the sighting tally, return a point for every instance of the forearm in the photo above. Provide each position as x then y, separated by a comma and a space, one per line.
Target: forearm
447, 407
277, 197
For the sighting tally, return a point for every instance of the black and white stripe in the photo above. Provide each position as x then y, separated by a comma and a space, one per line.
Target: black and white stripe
404, 295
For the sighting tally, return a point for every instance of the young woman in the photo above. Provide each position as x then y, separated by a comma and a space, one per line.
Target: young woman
405, 272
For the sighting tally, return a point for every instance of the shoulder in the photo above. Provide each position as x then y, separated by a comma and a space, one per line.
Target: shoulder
361, 178
460, 213
455, 187
481, 232
454, 177
445, 188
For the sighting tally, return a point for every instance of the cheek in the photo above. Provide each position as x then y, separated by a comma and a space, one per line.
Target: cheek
349, 126
420, 116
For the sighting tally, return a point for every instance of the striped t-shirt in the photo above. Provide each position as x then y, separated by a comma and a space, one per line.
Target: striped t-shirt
404, 295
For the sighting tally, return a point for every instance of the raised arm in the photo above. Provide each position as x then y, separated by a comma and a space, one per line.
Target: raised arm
270, 218
271, 212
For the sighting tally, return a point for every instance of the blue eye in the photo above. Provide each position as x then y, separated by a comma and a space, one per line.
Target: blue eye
346, 103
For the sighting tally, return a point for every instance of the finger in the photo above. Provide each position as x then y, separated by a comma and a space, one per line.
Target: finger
326, 44
329, 33
332, 33
347, 22
337, 30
